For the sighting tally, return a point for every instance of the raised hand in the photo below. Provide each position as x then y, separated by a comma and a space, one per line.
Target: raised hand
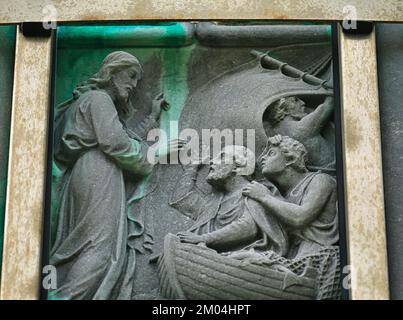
275, 140
158, 104
190, 160
172, 150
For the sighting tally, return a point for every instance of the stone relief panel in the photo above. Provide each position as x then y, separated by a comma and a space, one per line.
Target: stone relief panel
194, 161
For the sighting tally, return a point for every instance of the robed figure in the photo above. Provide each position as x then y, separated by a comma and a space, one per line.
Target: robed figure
95, 150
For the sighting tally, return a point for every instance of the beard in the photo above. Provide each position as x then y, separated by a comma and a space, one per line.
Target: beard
216, 180
124, 104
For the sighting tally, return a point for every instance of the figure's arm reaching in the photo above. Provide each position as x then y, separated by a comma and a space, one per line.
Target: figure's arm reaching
240, 231
314, 122
297, 216
152, 120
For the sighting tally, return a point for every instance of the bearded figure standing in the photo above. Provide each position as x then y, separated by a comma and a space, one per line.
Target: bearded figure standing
94, 150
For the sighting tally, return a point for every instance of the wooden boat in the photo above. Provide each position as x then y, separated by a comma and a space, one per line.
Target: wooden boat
189, 271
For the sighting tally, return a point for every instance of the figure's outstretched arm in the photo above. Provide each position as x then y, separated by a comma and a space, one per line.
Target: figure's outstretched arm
147, 124
242, 230
152, 120
298, 216
314, 122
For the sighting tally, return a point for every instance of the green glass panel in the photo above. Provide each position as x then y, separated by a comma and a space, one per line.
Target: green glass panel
7, 49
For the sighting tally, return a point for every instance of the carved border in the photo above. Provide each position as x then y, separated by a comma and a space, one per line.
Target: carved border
17, 11
362, 160
361, 151
26, 169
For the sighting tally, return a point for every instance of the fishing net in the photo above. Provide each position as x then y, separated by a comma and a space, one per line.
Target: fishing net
326, 263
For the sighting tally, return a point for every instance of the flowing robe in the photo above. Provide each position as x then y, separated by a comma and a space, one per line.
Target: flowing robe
321, 232
312, 246
91, 251
228, 221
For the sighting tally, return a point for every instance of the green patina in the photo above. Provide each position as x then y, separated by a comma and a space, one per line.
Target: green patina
7, 49
168, 34
82, 48
82, 58
329, 30
174, 85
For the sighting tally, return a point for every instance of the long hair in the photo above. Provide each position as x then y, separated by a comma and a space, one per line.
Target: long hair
112, 64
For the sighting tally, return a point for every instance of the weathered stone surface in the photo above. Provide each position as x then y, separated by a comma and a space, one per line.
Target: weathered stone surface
362, 163
206, 87
390, 73
77, 10
27, 169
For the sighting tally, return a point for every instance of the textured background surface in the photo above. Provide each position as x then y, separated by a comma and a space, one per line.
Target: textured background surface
73, 10
177, 59
390, 75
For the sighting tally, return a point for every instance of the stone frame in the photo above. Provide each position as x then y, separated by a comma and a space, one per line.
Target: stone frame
363, 184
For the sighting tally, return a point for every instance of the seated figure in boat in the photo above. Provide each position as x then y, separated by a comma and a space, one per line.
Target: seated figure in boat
289, 117
230, 172
307, 211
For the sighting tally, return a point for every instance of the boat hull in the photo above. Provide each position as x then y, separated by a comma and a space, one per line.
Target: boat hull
189, 271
